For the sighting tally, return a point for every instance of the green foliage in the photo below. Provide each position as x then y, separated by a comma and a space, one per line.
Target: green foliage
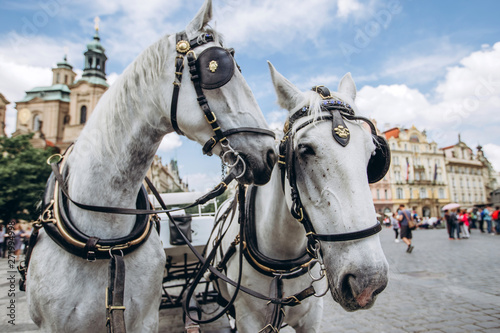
23, 174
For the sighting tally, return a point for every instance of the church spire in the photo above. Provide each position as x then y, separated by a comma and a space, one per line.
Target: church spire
95, 59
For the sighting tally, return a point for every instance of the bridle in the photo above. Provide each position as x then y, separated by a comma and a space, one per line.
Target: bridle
211, 69
337, 110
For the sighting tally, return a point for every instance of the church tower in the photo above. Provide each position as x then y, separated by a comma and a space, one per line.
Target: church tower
63, 73
95, 59
86, 92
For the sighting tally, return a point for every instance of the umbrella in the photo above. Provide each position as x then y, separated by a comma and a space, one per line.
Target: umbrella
451, 206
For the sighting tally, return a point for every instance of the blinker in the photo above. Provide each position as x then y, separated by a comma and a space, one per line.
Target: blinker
215, 67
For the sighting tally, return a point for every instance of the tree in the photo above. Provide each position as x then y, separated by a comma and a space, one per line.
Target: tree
23, 175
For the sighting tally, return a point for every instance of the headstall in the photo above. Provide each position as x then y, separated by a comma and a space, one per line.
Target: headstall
336, 110
212, 69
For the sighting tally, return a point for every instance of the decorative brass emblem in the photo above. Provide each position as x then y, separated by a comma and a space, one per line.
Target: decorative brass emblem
286, 127
213, 66
342, 131
182, 46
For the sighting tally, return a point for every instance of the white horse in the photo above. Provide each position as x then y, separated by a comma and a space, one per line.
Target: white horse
332, 183
107, 167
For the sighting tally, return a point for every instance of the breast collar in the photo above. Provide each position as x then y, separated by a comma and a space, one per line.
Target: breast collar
57, 224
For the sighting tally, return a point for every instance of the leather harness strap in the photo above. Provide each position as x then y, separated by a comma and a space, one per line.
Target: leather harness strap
185, 49
115, 319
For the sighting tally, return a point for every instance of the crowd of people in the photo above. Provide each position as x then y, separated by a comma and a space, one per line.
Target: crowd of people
19, 239
459, 222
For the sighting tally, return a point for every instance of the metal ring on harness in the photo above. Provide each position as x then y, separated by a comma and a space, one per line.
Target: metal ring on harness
230, 165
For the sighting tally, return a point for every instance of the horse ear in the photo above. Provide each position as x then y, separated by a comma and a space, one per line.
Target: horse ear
288, 93
201, 19
347, 86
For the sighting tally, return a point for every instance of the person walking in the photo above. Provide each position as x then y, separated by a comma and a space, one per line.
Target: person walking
495, 216
454, 224
404, 215
449, 228
464, 224
487, 219
2, 239
480, 219
395, 226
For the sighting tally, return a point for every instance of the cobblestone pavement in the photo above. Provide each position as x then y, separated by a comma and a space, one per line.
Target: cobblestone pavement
443, 286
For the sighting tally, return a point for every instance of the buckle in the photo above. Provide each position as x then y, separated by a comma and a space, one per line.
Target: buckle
214, 118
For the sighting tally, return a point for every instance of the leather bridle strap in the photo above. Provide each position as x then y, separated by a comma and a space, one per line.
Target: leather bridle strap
213, 141
179, 67
115, 308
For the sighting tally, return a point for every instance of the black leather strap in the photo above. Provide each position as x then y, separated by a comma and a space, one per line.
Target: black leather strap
115, 295
212, 142
179, 67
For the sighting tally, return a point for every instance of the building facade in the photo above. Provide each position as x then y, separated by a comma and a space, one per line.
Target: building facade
468, 177
418, 176
3, 109
56, 114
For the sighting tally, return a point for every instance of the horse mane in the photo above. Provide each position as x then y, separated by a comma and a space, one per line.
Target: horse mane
122, 104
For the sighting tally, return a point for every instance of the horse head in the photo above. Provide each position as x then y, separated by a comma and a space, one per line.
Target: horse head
228, 107
328, 156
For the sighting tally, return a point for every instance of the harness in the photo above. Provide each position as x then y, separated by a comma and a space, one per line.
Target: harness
378, 166
212, 69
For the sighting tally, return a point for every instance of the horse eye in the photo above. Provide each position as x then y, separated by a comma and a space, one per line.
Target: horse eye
305, 149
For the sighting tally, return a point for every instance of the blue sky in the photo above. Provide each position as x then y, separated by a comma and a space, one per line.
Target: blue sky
432, 64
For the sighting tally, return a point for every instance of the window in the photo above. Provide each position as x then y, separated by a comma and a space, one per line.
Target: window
399, 193
83, 114
461, 182
411, 193
386, 195
453, 181
423, 193
455, 197
396, 160
37, 123
57, 78
441, 193
378, 194
65, 79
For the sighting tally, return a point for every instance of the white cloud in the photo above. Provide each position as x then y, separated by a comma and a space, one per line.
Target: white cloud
466, 102
169, 143
492, 152
275, 25
202, 182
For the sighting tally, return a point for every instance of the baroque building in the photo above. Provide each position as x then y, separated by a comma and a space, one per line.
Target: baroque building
3, 109
471, 177
56, 114
418, 175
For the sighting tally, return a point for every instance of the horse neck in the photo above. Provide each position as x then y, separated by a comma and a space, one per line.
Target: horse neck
108, 172
279, 235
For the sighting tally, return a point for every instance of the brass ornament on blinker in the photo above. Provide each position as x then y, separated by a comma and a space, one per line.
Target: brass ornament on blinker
342, 131
213, 65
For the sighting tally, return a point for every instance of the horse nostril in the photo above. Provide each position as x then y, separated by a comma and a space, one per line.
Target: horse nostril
271, 158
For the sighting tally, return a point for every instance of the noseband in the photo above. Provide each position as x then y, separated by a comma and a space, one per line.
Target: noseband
338, 111
212, 69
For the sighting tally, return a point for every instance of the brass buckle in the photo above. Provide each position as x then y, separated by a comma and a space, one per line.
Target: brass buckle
214, 118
